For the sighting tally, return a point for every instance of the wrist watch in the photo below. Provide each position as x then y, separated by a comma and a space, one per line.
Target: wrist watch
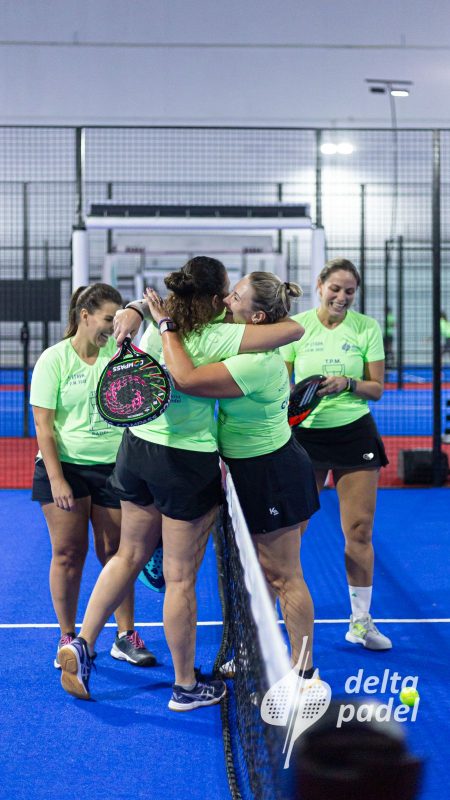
351, 385
167, 325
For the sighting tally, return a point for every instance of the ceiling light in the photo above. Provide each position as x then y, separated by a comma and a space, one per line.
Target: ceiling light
345, 149
328, 149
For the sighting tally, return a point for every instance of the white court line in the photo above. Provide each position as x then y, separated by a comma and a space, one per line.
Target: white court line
210, 623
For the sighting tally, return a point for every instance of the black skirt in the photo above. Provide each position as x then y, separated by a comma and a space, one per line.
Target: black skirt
354, 446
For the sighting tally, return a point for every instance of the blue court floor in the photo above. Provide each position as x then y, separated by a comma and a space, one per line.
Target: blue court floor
127, 744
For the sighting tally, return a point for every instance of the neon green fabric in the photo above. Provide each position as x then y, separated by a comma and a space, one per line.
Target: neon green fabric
63, 382
445, 328
257, 422
343, 350
188, 423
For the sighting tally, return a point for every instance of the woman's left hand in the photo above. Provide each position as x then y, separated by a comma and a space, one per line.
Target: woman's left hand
334, 384
155, 304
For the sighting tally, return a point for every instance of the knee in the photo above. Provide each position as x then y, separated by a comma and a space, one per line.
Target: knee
70, 558
360, 531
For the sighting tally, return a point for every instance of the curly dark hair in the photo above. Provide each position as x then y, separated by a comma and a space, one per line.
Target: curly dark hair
192, 290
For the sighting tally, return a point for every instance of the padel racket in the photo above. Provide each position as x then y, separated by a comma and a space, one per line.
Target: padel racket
133, 388
304, 399
152, 574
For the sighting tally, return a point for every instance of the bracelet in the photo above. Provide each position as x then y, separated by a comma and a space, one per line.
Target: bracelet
138, 311
351, 385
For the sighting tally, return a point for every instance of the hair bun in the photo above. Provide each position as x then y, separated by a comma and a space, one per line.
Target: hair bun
179, 283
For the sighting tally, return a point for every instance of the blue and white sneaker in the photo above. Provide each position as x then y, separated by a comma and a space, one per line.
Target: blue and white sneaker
76, 665
206, 693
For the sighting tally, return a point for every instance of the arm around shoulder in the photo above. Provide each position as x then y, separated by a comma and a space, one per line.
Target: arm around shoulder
258, 338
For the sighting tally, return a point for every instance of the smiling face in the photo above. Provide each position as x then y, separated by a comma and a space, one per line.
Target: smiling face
337, 293
96, 328
239, 303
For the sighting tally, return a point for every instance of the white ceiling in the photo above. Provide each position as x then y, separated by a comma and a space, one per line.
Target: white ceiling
237, 62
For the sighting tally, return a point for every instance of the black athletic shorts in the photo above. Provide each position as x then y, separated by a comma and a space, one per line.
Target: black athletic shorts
86, 481
275, 490
354, 446
182, 484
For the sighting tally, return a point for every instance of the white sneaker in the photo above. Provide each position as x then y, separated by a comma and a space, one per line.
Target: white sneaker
363, 631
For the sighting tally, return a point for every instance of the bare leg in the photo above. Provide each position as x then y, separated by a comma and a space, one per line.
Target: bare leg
106, 526
69, 538
357, 492
141, 531
279, 556
184, 547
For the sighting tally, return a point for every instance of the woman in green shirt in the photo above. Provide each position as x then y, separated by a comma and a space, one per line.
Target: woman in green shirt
167, 474
77, 452
340, 434
273, 475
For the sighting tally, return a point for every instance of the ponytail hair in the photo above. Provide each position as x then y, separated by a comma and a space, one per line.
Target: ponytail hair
91, 298
271, 295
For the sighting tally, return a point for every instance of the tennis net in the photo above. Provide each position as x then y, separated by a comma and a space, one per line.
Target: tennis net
252, 652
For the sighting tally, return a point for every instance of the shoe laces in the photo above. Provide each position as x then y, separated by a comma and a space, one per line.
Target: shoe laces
66, 639
136, 640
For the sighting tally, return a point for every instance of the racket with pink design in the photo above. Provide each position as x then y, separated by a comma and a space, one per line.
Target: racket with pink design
133, 388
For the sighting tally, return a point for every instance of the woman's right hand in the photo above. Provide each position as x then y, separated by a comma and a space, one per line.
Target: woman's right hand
62, 494
156, 305
126, 322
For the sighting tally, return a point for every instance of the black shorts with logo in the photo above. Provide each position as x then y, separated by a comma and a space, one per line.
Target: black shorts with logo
85, 480
182, 484
275, 490
354, 446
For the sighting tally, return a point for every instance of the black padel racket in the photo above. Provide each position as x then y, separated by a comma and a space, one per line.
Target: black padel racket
304, 399
133, 388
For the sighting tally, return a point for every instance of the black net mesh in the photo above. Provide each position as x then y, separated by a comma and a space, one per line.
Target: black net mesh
252, 748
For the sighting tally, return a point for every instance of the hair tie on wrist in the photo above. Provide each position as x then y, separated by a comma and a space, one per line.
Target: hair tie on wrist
164, 319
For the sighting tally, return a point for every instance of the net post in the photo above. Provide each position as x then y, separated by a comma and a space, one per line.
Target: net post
436, 289
80, 257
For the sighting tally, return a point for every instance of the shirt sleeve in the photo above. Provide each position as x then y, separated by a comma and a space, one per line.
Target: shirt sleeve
222, 340
287, 352
46, 380
151, 342
245, 369
374, 347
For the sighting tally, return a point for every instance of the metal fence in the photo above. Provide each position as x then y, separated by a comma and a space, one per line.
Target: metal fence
384, 206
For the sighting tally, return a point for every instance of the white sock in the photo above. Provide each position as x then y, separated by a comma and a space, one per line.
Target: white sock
360, 599
188, 688
121, 634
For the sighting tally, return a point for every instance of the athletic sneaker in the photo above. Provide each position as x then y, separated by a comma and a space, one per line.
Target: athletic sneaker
131, 648
76, 665
65, 639
363, 631
203, 694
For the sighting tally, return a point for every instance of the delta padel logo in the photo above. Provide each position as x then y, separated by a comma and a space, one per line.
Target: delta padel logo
296, 703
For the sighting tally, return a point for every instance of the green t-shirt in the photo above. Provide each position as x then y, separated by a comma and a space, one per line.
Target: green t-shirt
444, 325
257, 422
63, 382
339, 351
188, 423
390, 323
